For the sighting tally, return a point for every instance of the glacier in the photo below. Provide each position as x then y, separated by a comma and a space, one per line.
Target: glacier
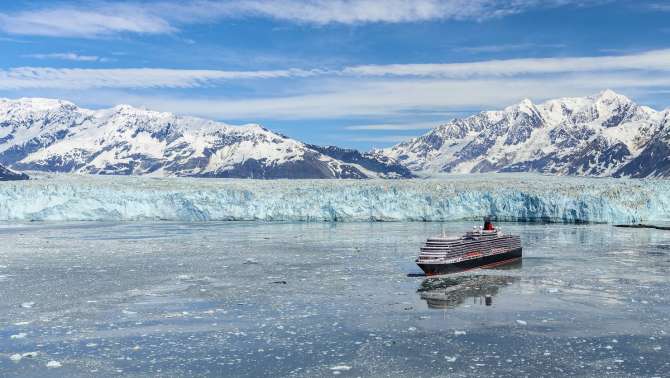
508, 197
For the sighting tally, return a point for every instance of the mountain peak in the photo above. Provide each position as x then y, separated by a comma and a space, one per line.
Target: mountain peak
609, 96
129, 109
122, 107
525, 106
526, 102
37, 103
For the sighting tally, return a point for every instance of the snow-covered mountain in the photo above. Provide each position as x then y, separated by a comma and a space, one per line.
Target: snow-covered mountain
58, 136
602, 135
8, 175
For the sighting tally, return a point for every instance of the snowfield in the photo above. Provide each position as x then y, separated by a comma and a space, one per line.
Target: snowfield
66, 197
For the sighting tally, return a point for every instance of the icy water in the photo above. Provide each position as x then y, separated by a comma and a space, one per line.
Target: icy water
255, 299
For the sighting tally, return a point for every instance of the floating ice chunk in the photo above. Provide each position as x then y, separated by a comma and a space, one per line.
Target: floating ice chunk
15, 357
458, 333
341, 368
27, 304
521, 322
54, 364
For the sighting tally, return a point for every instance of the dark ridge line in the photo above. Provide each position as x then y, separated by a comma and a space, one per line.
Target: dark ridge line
640, 225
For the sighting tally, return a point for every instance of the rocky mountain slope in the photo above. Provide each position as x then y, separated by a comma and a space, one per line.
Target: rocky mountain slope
58, 136
8, 175
602, 135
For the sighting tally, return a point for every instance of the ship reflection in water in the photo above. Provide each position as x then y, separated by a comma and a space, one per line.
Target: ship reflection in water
451, 292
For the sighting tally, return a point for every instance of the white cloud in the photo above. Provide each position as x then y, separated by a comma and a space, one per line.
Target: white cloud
365, 11
88, 22
358, 11
656, 60
108, 18
68, 56
80, 78
44, 77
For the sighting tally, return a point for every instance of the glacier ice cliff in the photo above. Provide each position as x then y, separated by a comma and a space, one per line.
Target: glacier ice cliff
514, 197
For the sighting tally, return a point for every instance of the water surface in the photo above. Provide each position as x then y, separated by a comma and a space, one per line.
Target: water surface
272, 299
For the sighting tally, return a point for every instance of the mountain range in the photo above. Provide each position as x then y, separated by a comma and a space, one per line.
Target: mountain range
58, 136
602, 135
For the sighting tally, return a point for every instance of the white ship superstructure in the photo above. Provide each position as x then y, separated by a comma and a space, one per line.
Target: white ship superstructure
477, 248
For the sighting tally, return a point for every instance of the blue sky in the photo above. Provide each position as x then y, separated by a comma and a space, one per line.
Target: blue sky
356, 73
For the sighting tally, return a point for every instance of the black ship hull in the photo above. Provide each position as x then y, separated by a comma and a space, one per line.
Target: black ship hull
482, 262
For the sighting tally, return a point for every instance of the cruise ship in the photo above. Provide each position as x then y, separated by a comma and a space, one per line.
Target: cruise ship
484, 247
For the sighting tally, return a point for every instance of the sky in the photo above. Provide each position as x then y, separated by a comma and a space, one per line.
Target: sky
352, 73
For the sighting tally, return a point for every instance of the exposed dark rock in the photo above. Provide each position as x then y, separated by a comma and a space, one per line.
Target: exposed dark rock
9, 175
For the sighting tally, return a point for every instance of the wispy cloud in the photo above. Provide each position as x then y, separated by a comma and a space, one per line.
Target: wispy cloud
44, 77
87, 22
108, 18
365, 11
13, 40
663, 7
658, 60
393, 126
79, 78
507, 47
377, 139
68, 56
